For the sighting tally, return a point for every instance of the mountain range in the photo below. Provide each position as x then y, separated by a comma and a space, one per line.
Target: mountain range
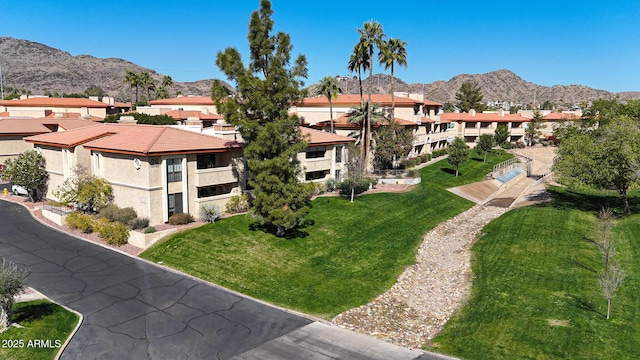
38, 68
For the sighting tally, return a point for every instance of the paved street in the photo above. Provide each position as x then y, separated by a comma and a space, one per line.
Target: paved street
136, 310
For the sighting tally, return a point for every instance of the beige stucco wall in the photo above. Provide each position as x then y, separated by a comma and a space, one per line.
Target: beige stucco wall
40, 111
12, 146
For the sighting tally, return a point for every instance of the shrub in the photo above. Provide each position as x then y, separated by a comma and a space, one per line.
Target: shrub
438, 153
319, 188
114, 213
507, 146
138, 223
114, 233
407, 163
238, 204
149, 230
79, 221
426, 157
180, 219
418, 160
413, 173
209, 213
330, 184
359, 185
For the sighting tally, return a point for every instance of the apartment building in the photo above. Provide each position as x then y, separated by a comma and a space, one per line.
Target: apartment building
470, 126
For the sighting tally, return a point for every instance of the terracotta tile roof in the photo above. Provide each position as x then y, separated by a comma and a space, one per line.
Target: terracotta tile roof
318, 137
121, 104
54, 102
4, 114
482, 117
145, 140
183, 115
560, 117
32, 126
184, 100
72, 115
342, 122
351, 100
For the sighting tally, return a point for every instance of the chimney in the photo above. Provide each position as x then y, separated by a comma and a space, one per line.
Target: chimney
205, 110
501, 112
472, 112
193, 121
127, 120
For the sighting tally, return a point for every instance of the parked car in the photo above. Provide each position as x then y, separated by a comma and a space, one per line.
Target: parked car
19, 190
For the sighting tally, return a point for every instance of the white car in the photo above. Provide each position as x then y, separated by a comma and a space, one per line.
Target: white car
19, 190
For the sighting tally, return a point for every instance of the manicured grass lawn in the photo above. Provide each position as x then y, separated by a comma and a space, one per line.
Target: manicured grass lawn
348, 253
46, 326
535, 290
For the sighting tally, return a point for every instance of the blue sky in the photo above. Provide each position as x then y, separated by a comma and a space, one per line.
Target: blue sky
592, 43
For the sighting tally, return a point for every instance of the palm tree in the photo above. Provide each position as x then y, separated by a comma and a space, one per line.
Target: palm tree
371, 35
167, 82
133, 79
146, 81
360, 114
329, 88
358, 61
393, 52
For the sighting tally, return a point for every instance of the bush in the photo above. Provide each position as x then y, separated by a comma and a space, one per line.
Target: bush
113, 213
114, 233
507, 146
438, 153
426, 157
79, 221
407, 163
418, 160
180, 219
413, 173
319, 188
330, 184
238, 204
138, 223
359, 185
209, 213
149, 230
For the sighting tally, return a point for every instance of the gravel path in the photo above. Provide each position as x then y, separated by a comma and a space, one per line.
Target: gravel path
427, 293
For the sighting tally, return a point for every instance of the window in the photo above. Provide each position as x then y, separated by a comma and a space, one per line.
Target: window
174, 170
214, 190
338, 175
206, 161
315, 152
174, 203
315, 175
451, 126
338, 154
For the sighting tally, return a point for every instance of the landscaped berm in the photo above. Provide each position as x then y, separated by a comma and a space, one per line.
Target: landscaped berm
346, 255
536, 293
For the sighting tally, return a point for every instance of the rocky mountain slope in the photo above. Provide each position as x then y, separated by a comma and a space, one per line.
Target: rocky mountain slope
28, 65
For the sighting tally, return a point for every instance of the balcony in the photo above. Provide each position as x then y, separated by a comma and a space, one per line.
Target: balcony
215, 176
316, 164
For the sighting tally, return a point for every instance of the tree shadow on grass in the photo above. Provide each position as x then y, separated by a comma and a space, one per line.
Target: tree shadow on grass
295, 233
581, 265
33, 312
565, 199
448, 170
586, 305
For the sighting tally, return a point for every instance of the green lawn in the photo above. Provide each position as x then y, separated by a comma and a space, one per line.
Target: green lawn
347, 254
535, 291
46, 327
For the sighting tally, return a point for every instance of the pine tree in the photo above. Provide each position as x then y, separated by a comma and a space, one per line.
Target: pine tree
267, 87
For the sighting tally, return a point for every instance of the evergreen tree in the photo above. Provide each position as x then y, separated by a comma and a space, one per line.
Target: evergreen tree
470, 97
485, 144
533, 128
393, 142
267, 87
501, 135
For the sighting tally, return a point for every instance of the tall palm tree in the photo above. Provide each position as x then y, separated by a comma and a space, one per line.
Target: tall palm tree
133, 80
146, 81
371, 36
361, 113
358, 61
392, 52
328, 87
167, 82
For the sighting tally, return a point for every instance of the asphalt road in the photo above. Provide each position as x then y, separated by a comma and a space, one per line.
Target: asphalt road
137, 310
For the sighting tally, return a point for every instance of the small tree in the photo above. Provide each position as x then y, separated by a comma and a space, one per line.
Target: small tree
458, 152
533, 128
13, 280
87, 192
606, 245
485, 144
28, 170
609, 282
501, 135
393, 142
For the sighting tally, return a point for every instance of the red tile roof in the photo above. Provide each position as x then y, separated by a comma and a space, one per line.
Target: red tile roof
183, 115
72, 115
482, 117
317, 137
145, 140
560, 117
184, 100
342, 122
54, 102
352, 100
32, 126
